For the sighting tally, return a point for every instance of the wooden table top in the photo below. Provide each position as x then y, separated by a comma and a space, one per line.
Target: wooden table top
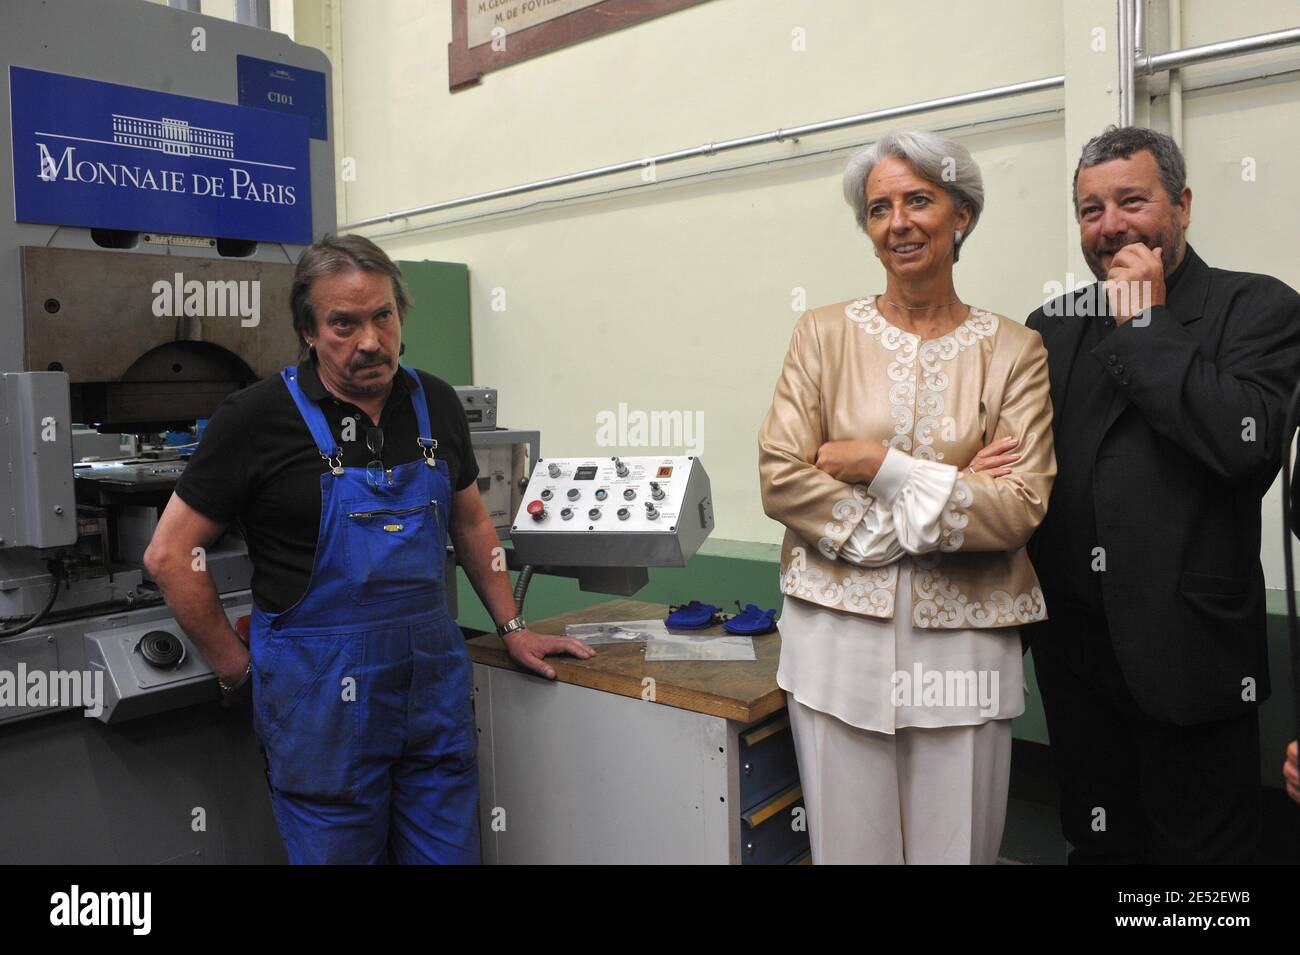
741, 690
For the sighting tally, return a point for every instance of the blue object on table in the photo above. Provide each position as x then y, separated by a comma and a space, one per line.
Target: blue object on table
692, 616
751, 621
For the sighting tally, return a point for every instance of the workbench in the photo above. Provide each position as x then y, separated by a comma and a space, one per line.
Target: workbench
622, 761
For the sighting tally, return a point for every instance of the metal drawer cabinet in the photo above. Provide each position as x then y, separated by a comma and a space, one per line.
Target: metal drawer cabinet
773, 828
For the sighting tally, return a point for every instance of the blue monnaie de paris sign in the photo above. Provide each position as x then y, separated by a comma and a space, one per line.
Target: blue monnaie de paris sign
101, 155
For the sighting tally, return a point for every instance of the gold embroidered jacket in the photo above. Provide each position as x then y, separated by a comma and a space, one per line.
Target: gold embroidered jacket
850, 374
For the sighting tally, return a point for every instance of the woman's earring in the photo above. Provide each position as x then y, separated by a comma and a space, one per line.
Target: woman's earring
957, 239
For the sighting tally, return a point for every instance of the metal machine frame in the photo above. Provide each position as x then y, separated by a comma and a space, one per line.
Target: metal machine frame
71, 322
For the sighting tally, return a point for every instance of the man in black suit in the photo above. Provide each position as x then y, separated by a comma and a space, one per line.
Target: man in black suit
1169, 383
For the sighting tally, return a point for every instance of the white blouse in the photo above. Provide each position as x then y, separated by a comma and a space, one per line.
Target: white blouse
882, 675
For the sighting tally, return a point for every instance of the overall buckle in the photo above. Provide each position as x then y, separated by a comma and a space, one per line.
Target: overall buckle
428, 446
335, 462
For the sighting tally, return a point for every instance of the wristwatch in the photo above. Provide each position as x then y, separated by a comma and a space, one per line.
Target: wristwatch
510, 626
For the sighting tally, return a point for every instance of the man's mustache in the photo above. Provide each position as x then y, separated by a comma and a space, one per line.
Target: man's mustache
383, 359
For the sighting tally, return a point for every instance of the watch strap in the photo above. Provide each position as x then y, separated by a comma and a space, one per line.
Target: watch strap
511, 625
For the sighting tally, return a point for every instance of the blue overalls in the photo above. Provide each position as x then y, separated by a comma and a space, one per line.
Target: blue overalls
361, 690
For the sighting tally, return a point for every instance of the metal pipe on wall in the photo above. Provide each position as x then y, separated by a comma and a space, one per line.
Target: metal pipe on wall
1126, 60
1151, 64
1175, 75
711, 149
1222, 50
1139, 41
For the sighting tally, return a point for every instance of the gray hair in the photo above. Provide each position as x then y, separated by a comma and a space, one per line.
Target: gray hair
331, 255
1120, 142
937, 159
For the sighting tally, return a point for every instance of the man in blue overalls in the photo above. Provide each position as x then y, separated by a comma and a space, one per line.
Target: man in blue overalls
346, 474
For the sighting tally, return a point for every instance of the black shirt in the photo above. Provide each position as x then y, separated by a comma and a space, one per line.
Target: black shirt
257, 464
1088, 396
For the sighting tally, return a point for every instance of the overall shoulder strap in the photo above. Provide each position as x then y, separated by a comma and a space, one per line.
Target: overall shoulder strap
421, 409
311, 413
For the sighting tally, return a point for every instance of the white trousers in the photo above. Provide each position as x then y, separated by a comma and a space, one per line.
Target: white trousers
927, 795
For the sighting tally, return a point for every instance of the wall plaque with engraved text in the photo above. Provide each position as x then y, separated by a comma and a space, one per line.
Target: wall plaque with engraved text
490, 34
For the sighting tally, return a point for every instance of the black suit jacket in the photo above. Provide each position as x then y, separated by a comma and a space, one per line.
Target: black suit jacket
1188, 449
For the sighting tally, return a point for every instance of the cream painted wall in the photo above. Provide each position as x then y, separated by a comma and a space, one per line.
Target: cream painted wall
680, 295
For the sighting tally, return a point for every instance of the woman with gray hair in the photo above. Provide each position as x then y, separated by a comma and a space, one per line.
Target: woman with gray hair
908, 452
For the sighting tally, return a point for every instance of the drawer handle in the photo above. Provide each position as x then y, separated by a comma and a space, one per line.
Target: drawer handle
770, 728
782, 800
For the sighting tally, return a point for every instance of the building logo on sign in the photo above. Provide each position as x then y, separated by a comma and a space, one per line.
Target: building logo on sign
171, 137
174, 136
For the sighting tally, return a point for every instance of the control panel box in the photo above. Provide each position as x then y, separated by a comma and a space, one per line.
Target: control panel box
505, 458
500, 474
480, 406
614, 512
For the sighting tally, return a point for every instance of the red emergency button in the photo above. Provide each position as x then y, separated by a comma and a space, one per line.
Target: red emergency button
537, 509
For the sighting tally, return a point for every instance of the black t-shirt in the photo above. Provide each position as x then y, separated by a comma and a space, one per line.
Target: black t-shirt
257, 464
